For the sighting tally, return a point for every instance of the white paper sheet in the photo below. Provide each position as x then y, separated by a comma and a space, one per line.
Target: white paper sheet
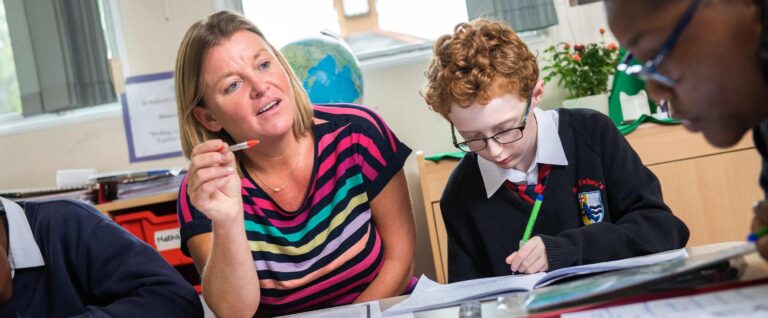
429, 294
364, 310
748, 302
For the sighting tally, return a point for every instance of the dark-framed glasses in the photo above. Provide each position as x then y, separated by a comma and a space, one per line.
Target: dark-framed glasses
649, 71
503, 137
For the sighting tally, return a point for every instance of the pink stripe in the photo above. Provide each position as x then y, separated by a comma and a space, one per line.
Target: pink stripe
184, 206
367, 280
364, 114
348, 254
369, 172
346, 299
353, 111
321, 193
328, 138
366, 142
352, 160
253, 209
349, 111
247, 183
325, 285
302, 215
347, 142
259, 203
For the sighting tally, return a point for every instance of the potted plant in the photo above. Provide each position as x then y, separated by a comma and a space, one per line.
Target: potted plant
583, 70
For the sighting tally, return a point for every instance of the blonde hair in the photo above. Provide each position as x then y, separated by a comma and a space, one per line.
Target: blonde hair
201, 37
478, 55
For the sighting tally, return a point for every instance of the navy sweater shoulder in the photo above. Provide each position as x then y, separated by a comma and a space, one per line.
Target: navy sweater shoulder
94, 268
604, 205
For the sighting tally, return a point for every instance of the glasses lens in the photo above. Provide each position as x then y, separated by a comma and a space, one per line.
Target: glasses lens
476, 145
463, 147
508, 136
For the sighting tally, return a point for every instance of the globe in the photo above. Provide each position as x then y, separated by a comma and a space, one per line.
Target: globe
327, 69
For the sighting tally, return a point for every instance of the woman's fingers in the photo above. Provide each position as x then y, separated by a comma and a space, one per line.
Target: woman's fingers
215, 145
202, 198
202, 176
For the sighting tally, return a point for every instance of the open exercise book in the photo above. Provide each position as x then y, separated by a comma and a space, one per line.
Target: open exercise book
624, 273
429, 294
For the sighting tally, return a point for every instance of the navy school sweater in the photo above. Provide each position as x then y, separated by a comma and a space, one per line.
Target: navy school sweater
94, 268
625, 216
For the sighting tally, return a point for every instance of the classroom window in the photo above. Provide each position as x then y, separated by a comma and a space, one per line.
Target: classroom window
10, 101
60, 55
372, 28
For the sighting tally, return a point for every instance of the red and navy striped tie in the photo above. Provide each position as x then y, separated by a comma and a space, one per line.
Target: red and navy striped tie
529, 192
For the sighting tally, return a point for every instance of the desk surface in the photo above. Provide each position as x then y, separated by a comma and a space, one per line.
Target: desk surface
757, 269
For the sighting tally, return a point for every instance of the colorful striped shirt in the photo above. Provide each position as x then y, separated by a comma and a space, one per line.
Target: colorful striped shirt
328, 251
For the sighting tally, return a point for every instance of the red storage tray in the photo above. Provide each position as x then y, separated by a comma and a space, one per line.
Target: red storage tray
160, 232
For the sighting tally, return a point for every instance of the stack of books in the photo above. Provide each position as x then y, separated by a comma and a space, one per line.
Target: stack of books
84, 193
133, 184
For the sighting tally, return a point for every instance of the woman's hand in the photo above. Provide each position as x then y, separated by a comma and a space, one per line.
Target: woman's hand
213, 184
531, 258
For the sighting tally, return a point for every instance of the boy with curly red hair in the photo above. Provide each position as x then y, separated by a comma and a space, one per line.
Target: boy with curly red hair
599, 202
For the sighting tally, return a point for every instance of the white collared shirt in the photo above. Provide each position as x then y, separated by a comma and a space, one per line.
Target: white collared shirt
549, 150
23, 251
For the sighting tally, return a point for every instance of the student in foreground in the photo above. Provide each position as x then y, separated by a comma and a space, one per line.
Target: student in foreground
65, 259
599, 202
715, 78
316, 215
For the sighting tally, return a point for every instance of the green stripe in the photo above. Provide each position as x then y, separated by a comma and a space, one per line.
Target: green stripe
314, 221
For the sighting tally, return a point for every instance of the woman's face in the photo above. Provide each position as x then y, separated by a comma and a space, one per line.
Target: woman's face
246, 90
504, 111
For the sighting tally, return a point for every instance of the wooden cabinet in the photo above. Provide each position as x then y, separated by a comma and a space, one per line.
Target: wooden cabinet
710, 189
433, 177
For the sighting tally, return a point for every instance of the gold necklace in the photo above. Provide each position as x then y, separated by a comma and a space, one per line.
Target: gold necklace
293, 173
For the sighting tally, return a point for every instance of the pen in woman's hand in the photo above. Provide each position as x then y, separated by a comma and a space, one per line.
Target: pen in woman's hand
243, 145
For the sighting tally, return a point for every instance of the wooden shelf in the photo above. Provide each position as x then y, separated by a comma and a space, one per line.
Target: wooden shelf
107, 208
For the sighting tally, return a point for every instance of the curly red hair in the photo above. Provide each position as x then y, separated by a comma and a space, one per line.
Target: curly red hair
478, 56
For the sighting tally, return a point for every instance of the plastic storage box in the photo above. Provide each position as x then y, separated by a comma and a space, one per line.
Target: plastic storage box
160, 232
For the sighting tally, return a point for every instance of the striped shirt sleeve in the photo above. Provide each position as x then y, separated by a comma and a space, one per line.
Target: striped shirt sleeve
191, 221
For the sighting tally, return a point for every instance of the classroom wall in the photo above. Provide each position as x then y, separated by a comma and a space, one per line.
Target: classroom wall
152, 32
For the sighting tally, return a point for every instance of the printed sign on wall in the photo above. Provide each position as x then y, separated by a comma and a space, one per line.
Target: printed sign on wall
149, 115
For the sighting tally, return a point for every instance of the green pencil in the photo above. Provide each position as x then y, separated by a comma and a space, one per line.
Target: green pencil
758, 234
532, 219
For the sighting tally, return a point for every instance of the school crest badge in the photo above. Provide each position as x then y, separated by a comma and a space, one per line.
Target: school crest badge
591, 206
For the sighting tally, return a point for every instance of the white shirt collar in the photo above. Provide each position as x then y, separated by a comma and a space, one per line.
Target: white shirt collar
23, 250
549, 150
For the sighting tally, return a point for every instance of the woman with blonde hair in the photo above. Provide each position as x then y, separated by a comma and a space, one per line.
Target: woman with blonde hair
316, 215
